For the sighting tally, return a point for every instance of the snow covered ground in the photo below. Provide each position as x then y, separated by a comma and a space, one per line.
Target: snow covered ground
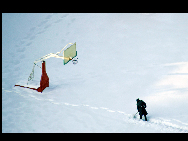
122, 57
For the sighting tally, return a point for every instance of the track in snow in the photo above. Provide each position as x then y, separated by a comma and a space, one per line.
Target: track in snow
161, 124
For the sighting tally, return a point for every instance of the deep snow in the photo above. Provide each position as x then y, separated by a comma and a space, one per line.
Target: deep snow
122, 57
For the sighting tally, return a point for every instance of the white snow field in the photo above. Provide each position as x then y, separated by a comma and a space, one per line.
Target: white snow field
121, 57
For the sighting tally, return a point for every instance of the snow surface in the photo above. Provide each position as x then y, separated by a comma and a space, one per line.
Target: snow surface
122, 57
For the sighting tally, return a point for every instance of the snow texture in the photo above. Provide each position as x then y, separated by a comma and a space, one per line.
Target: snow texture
122, 57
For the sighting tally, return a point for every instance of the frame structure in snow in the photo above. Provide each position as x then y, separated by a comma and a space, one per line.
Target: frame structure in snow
44, 82
68, 55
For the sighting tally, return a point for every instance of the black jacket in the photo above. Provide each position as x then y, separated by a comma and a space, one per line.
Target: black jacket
141, 105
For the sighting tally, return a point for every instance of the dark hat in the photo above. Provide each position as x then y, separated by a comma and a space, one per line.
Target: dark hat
137, 99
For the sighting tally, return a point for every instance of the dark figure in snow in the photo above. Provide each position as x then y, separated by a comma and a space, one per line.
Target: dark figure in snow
141, 105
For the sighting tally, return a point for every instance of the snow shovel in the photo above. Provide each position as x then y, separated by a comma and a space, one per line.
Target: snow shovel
135, 115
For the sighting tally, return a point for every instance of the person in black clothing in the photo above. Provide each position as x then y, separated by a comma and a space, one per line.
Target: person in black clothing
141, 105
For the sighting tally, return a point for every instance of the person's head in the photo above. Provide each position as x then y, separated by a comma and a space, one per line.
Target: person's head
137, 100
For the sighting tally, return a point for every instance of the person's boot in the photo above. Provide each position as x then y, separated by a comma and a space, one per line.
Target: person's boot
140, 116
